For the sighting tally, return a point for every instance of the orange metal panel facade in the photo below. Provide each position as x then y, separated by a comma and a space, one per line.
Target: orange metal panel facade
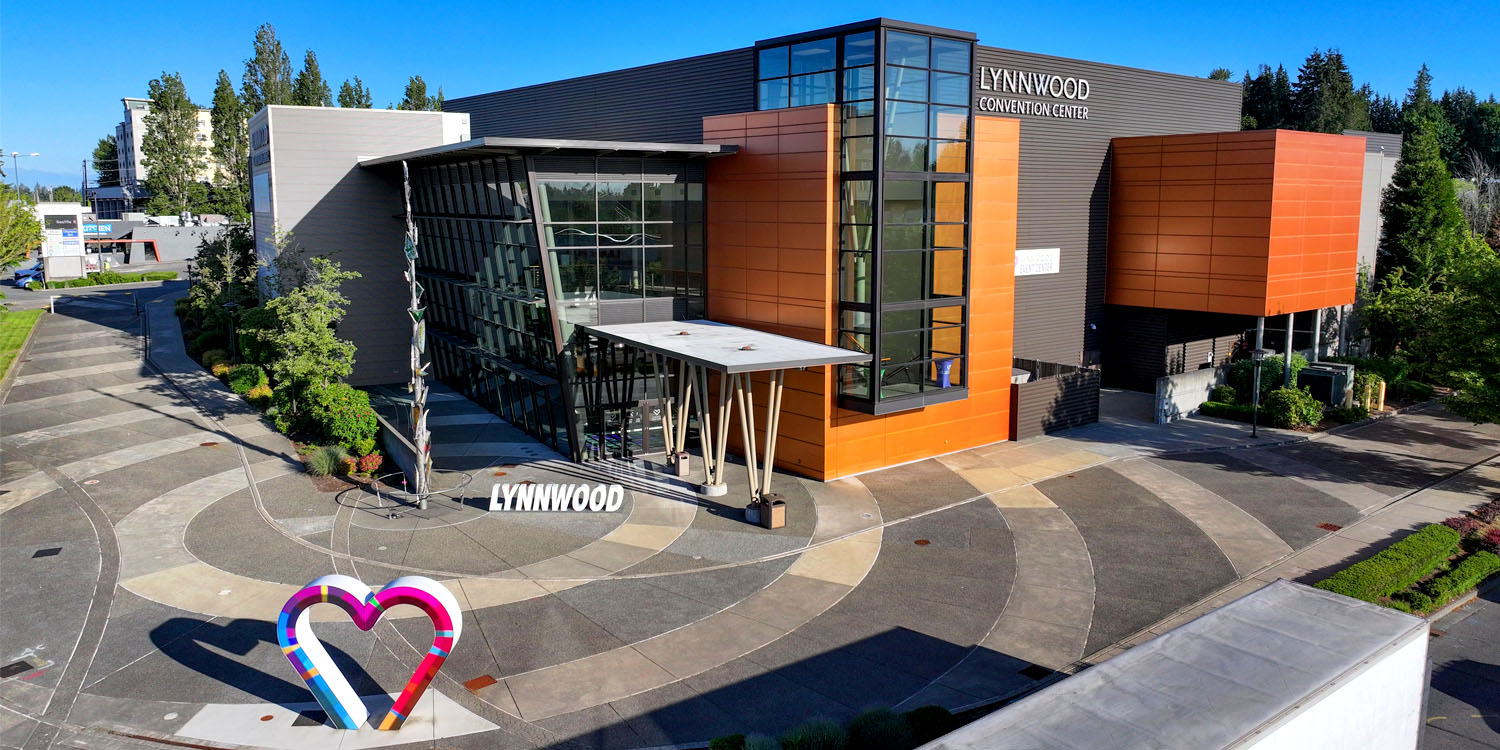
772, 265
1257, 222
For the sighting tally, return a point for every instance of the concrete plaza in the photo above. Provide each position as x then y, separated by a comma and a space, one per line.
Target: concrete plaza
151, 526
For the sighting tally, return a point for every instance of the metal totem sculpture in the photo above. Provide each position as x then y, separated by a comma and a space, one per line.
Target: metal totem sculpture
421, 438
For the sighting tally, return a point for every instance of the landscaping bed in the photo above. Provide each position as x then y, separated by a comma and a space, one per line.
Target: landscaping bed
1428, 568
1296, 408
105, 278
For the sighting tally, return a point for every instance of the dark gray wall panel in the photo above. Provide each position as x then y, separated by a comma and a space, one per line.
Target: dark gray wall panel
665, 102
1064, 191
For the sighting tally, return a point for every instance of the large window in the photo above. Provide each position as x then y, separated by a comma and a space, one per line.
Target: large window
480, 265
904, 209
616, 236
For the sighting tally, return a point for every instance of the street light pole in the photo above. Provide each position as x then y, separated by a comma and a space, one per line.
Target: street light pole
15, 165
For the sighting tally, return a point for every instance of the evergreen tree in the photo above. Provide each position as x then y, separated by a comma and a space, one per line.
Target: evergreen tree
1281, 96
1419, 111
268, 72
416, 97
310, 90
1385, 114
106, 161
1324, 97
170, 149
354, 96
1220, 74
1422, 222
231, 150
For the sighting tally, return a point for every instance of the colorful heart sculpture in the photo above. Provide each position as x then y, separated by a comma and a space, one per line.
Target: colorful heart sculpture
323, 678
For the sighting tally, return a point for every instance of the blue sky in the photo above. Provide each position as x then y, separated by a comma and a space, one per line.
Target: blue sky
65, 66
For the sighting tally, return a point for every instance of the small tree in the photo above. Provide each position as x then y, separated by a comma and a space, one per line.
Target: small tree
20, 232
1422, 221
308, 351
310, 90
107, 161
416, 97
65, 194
354, 95
268, 72
170, 147
226, 266
231, 150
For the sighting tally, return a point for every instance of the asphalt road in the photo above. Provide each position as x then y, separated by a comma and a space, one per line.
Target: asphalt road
1463, 704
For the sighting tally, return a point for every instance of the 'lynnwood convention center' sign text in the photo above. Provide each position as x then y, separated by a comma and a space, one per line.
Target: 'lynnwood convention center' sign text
1040, 85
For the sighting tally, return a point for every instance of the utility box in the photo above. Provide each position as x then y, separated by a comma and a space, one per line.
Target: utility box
1288, 666
1330, 382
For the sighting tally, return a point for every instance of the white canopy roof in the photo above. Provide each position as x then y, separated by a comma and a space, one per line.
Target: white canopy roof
724, 347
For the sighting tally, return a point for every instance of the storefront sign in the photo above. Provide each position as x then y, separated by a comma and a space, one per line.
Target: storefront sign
1009, 84
1038, 262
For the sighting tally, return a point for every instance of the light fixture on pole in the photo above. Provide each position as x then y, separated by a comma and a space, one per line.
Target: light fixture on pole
15, 165
1257, 356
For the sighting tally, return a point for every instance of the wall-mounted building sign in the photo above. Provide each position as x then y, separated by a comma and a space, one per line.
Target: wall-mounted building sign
1038, 262
98, 228
1038, 87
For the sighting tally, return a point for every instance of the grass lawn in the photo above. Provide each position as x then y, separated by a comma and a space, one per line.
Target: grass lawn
14, 328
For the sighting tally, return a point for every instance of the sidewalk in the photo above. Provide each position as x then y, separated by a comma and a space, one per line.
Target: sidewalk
1357, 541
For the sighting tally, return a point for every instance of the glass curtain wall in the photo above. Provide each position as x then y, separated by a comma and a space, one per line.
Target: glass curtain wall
904, 203
490, 335
625, 243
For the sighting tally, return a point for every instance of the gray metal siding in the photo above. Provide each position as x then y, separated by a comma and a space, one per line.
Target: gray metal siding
1064, 185
665, 102
333, 207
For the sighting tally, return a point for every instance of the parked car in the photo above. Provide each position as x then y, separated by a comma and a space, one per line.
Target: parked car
31, 278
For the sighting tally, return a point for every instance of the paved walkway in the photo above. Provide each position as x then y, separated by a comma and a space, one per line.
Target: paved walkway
156, 524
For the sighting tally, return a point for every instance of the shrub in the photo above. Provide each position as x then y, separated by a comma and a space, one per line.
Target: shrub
1349, 414
1224, 394
879, 729
348, 466
1490, 542
341, 413
259, 396
364, 447
1464, 525
370, 463
818, 734
75, 283
928, 723
1396, 567
257, 335
243, 378
1237, 412
221, 369
212, 357
57, 284
1293, 407
1488, 512
159, 276
729, 742
211, 338
1366, 387
283, 416
1464, 576
1241, 374
325, 461
1411, 390
761, 742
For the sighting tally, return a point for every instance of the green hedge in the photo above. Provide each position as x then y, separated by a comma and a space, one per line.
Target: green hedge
1464, 576
1237, 412
1396, 567
341, 414
1241, 374
1224, 394
105, 278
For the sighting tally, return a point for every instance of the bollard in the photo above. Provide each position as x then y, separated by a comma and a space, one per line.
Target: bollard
52, 306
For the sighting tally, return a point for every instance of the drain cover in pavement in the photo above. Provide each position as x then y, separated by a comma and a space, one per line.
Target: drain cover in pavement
1329, 526
14, 668
212, 444
48, 552
479, 683
1036, 671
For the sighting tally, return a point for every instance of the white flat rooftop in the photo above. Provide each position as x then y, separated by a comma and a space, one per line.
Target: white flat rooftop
724, 347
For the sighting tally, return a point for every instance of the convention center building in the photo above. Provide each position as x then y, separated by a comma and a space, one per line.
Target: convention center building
986, 236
